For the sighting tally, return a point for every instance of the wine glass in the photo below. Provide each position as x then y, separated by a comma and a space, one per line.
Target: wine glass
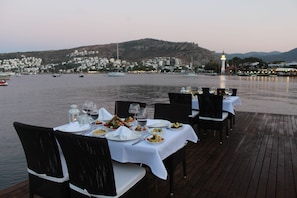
142, 116
200, 91
212, 90
230, 92
134, 108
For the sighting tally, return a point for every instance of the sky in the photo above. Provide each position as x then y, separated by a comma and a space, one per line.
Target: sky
232, 26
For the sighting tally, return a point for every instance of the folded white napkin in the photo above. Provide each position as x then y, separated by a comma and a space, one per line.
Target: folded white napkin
157, 123
151, 122
73, 127
123, 132
103, 114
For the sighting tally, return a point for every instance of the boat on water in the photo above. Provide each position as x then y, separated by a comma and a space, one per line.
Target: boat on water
4, 76
116, 74
3, 83
190, 75
81, 75
56, 75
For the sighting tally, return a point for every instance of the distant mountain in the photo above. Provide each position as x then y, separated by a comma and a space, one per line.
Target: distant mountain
289, 56
136, 50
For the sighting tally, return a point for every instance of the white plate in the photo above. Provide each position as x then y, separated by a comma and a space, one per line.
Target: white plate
175, 129
147, 140
144, 129
158, 123
156, 130
75, 130
111, 136
99, 132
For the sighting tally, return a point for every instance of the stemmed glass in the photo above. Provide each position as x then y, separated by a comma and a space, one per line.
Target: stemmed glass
142, 116
134, 109
200, 91
212, 90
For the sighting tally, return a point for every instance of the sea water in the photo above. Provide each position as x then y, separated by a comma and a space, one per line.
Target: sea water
44, 100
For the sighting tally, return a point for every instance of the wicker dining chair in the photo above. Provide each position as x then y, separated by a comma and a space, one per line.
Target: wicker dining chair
92, 173
173, 113
211, 115
122, 108
48, 175
184, 99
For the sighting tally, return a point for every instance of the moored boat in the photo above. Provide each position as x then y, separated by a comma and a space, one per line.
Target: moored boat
115, 74
4, 76
3, 83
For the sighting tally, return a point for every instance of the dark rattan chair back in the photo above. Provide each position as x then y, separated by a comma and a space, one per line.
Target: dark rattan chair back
46, 175
172, 112
210, 105
89, 163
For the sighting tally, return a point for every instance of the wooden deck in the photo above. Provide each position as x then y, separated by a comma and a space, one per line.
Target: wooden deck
258, 160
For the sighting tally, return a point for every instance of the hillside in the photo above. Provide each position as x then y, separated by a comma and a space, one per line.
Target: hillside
289, 56
136, 50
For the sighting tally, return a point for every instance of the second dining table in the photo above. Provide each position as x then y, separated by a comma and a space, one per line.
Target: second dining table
229, 103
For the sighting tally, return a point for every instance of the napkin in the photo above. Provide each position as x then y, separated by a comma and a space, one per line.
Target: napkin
123, 132
157, 123
103, 114
74, 127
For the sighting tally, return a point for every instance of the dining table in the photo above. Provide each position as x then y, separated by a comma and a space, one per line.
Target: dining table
229, 103
139, 150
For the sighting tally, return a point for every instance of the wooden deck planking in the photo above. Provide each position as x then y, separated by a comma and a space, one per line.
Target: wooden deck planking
258, 160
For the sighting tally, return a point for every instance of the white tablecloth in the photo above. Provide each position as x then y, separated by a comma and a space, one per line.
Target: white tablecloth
229, 103
153, 154
150, 154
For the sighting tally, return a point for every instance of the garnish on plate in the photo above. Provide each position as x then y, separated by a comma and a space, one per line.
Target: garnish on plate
155, 138
115, 123
176, 125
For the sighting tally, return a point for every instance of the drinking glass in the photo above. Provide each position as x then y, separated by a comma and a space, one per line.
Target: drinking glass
212, 90
200, 91
142, 116
134, 109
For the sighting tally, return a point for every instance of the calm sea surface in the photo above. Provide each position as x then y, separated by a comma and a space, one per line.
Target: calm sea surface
45, 101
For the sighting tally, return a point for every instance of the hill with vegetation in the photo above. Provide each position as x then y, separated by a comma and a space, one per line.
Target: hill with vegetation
132, 51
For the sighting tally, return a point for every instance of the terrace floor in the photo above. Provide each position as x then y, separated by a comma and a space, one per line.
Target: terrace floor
259, 159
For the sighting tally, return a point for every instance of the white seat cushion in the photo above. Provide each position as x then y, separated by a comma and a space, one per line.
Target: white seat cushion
224, 116
126, 176
194, 113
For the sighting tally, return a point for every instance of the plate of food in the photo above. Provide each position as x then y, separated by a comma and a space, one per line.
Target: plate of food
98, 122
115, 123
139, 128
121, 137
100, 132
154, 139
176, 126
156, 131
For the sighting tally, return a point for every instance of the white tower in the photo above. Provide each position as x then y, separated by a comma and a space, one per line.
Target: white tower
223, 59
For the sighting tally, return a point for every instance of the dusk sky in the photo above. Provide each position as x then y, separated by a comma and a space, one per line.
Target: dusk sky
217, 25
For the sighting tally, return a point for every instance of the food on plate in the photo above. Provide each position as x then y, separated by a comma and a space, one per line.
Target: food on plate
156, 130
116, 122
155, 138
129, 119
97, 122
176, 125
139, 128
99, 132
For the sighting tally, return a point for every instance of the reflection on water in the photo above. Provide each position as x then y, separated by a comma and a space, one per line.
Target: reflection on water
44, 100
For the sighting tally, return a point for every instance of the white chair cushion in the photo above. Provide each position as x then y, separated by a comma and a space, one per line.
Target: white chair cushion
194, 113
126, 176
224, 116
